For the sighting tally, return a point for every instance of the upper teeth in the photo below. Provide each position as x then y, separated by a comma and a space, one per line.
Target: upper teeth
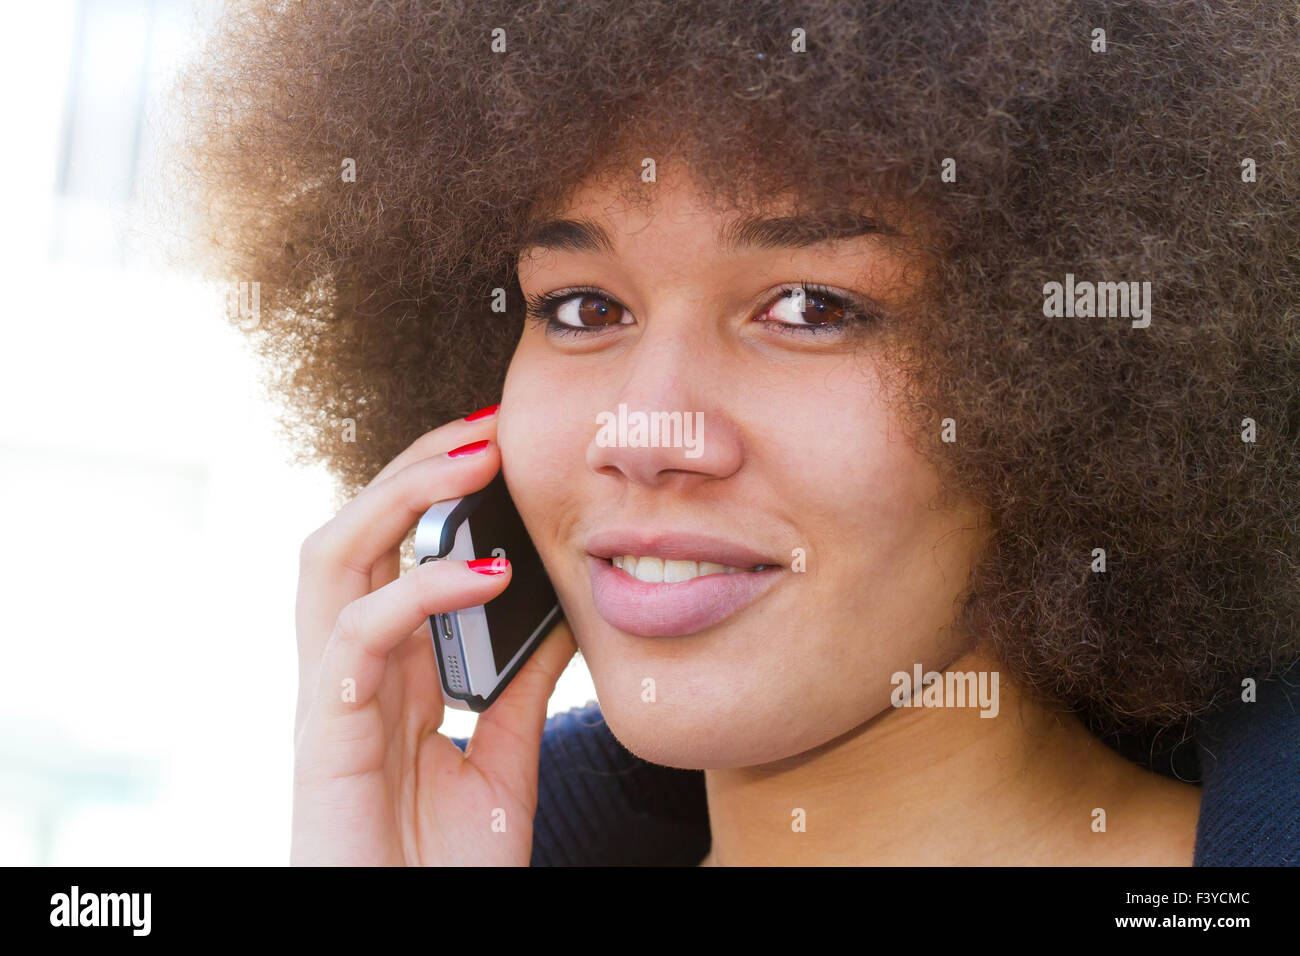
657, 569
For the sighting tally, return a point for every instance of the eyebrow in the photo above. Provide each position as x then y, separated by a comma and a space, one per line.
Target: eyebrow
762, 232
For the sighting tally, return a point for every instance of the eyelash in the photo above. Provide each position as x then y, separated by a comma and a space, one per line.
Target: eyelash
541, 310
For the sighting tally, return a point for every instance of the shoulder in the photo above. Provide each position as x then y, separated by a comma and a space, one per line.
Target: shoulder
1250, 760
600, 804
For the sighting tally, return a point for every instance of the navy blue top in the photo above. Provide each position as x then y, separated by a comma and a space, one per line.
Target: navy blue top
600, 805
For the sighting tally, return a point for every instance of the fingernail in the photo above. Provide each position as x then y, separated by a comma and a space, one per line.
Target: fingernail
483, 413
488, 565
473, 448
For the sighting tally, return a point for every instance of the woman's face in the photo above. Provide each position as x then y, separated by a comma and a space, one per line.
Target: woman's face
787, 455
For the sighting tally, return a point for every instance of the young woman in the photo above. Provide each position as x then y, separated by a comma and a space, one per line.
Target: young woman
986, 318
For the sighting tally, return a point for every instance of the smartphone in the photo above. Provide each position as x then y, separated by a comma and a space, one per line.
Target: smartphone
480, 649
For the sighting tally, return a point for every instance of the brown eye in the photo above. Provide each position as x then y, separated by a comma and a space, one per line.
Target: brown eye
589, 310
819, 308
585, 310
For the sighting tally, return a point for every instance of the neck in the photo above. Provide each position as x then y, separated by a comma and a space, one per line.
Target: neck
945, 786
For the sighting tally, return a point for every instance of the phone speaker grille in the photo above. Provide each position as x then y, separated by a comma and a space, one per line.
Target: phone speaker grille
454, 678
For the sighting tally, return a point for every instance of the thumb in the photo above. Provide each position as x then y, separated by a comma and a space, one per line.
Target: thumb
508, 735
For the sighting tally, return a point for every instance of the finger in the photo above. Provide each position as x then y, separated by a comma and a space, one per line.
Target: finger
322, 593
376, 520
371, 627
385, 571
454, 434
320, 600
337, 560
439, 441
507, 737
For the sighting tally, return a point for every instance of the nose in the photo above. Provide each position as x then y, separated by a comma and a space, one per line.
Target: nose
668, 422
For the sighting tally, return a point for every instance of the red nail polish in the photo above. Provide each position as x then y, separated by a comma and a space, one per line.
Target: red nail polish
488, 565
483, 413
473, 448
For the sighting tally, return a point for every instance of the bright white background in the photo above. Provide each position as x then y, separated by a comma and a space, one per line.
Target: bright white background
149, 517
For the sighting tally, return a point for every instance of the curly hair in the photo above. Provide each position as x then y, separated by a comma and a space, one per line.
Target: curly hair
1030, 144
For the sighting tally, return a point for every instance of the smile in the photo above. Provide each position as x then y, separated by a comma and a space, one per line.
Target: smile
658, 570
680, 597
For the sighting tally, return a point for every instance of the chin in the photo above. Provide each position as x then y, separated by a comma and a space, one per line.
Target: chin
700, 730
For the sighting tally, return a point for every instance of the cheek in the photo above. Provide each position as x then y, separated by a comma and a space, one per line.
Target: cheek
519, 418
543, 442
854, 484
890, 487
877, 548
886, 529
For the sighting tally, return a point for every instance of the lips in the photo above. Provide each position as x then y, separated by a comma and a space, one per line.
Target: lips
679, 608
683, 546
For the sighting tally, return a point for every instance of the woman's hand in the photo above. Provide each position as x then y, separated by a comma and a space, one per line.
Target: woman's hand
374, 782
